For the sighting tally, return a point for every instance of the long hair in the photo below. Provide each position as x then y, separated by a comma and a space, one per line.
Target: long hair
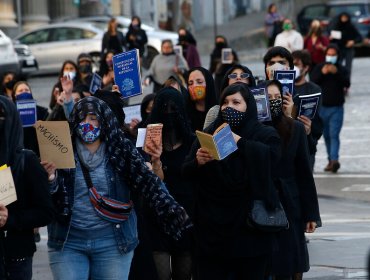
111, 27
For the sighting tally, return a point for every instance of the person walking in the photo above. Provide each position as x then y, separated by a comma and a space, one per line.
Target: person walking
165, 65
273, 24
136, 36
226, 248
348, 37
333, 79
289, 38
90, 242
297, 191
33, 207
113, 39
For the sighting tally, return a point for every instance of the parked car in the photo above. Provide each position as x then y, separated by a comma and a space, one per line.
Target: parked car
54, 43
358, 10
155, 36
27, 61
8, 56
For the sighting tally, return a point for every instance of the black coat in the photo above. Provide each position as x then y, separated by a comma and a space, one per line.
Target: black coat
298, 195
140, 39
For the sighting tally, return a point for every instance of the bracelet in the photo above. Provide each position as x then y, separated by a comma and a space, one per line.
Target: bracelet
160, 166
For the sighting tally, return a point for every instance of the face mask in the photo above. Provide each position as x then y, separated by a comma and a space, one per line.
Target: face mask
221, 45
197, 92
24, 96
110, 63
87, 132
70, 74
276, 108
297, 73
331, 59
287, 26
86, 68
233, 117
10, 84
275, 67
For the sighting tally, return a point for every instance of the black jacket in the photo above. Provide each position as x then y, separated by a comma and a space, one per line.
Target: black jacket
140, 39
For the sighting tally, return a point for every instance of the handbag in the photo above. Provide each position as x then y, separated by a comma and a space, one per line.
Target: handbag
107, 208
262, 219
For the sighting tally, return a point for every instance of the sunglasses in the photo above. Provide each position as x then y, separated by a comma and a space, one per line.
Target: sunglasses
242, 76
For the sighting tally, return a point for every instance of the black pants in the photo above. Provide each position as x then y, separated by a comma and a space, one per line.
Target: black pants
232, 269
19, 269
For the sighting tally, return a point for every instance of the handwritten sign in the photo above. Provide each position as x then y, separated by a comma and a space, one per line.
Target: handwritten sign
7, 187
55, 143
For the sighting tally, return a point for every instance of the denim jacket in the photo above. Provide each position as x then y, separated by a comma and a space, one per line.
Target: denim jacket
62, 190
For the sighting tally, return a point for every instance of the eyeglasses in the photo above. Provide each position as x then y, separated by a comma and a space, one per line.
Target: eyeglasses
241, 76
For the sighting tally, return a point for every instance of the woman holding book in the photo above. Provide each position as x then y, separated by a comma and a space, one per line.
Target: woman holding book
107, 165
225, 247
172, 258
201, 96
296, 187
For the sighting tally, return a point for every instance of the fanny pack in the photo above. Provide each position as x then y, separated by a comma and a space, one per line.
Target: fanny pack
107, 208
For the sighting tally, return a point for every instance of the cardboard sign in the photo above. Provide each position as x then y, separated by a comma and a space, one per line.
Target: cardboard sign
127, 76
96, 82
55, 143
27, 112
7, 187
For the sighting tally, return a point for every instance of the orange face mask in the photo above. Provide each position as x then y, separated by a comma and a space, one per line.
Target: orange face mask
197, 92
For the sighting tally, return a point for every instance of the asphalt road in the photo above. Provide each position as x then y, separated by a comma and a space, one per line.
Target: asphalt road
337, 250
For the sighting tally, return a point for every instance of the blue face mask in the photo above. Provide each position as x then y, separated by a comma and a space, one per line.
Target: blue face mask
331, 59
88, 133
24, 96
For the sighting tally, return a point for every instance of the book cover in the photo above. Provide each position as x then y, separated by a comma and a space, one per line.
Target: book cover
127, 77
153, 136
95, 83
226, 56
27, 112
286, 78
263, 104
308, 105
336, 34
220, 144
178, 50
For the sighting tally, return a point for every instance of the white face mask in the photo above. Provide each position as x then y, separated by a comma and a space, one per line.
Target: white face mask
275, 67
71, 74
331, 59
297, 72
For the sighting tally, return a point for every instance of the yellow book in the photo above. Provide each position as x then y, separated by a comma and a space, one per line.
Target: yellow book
3, 167
220, 144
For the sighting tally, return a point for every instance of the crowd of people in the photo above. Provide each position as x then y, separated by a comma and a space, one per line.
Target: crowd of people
185, 212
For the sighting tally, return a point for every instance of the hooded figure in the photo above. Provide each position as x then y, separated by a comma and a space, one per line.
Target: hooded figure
196, 116
226, 188
136, 36
33, 207
250, 81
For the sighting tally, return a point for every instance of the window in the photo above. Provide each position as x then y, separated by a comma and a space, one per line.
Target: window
36, 37
66, 33
314, 12
352, 10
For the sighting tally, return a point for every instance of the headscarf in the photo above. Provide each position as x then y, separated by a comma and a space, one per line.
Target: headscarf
11, 137
169, 109
127, 161
225, 81
144, 104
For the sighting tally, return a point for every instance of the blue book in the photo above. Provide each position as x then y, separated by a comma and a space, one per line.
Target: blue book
286, 78
95, 83
308, 105
126, 67
263, 104
27, 112
220, 144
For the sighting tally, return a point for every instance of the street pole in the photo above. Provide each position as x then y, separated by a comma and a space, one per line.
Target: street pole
215, 17
19, 16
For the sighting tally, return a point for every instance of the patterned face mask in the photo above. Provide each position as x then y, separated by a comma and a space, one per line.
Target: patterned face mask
197, 92
276, 107
233, 117
88, 133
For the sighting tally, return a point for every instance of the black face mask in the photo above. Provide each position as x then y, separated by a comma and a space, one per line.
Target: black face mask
233, 117
276, 107
221, 45
10, 84
86, 68
172, 133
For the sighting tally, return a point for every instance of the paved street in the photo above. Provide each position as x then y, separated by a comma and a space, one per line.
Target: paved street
338, 249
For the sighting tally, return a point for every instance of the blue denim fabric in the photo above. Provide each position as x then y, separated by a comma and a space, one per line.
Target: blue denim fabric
125, 233
84, 257
332, 118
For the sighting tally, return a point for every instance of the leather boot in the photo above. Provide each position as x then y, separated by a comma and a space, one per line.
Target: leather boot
329, 166
335, 166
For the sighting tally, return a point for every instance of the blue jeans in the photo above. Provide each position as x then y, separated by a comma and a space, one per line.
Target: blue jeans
332, 118
86, 258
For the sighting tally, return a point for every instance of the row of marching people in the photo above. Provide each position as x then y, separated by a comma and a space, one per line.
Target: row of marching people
171, 211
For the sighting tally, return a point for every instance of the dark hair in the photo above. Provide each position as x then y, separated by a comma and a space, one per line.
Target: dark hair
332, 46
166, 41
270, 7
278, 51
234, 88
304, 56
17, 84
138, 19
283, 125
74, 65
225, 80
